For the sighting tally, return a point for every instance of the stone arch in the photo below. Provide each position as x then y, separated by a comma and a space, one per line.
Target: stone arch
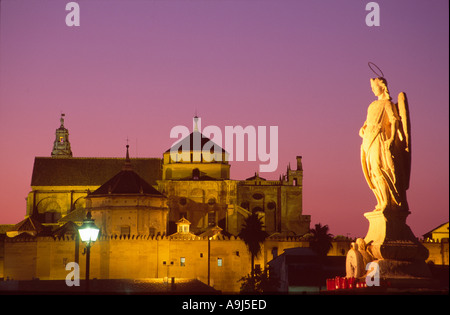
48, 210
80, 203
48, 204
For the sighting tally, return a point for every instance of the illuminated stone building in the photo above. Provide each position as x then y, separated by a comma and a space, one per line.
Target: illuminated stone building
138, 203
127, 205
196, 187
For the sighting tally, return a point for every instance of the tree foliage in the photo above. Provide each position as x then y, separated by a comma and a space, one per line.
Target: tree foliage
261, 282
253, 235
320, 241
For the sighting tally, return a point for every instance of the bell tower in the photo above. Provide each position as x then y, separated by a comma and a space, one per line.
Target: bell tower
61, 146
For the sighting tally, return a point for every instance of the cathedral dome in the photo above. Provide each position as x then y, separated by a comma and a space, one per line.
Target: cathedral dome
193, 145
196, 157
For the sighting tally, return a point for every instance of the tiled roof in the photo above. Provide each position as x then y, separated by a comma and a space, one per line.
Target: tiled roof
49, 171
255, 177
28, 224
6, 227
77, 215
68, 228
126, 182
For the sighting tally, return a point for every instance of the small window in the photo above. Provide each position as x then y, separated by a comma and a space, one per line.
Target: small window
52, 216
125, 230
211, 218
245, 205
219, 262
294, 182
195, 173
182, 261
257, 196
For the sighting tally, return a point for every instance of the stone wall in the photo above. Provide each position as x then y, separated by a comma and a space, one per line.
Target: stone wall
438, 252
139, 257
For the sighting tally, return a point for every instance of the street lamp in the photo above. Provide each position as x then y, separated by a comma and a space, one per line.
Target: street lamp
88, 234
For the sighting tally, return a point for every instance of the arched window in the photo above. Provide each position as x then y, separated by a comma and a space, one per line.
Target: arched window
211, 218
245, 205
271, 205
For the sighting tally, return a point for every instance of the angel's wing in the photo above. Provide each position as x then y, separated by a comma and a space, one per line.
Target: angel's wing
403, 111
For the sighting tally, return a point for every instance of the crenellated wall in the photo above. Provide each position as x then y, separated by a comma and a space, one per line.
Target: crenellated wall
139, 257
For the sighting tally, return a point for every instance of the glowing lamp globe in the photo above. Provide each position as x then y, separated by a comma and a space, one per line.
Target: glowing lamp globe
88, 231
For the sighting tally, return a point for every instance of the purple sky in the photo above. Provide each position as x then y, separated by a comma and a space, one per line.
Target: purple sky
138, 68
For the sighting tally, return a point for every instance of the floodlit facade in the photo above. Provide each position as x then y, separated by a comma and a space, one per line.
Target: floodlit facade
139, 205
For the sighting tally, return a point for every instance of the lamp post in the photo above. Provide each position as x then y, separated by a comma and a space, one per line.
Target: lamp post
88, 234
209, 259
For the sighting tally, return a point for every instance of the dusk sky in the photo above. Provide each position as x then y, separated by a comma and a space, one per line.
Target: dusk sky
137, 68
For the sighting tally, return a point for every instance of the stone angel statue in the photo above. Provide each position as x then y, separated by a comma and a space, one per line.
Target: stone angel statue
386, 148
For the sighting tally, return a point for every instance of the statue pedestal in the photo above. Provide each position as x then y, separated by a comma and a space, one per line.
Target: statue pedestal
393, 245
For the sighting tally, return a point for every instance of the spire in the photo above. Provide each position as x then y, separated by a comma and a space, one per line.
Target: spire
127, 165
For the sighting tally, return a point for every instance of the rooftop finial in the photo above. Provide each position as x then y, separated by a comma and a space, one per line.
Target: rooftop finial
196, 123
127, 165
62, 119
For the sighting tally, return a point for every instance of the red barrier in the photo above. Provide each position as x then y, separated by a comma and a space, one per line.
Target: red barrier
345, 283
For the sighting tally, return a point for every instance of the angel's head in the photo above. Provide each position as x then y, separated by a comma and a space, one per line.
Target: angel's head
379, 88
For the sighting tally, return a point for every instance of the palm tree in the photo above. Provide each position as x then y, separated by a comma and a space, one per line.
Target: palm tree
253, 235
321, 240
